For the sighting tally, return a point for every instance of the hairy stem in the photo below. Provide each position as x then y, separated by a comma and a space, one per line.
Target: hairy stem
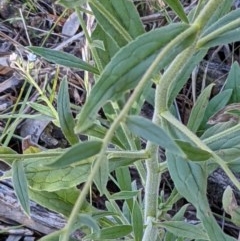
153, 177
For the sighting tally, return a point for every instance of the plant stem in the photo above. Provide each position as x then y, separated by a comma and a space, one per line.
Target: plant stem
138, 90
115, 106
151, 232
153, 176
168, 77
207, 13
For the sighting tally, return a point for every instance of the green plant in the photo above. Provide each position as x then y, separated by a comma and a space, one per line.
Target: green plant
130, 62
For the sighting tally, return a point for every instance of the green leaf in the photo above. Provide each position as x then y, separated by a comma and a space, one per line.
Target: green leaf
225, 38
219, 127
230, 205
43, 109
77, 153
64, 112
219, 12
114, 163
100, 131
223, 140
124, 195
222, 22
189, 177
193, 153
215, 104
54, 236
198, 111
61, 201
232, 83
7, 150
44, 178
124, 179
190, 180
230, 155
137, 221
86, 220
183, 75
182, 229
64, 59
127, 67
177, 7
119, 19
21, 186
235, 217
101, 177
229, 201
71, 3
148, 130
110, 46
114, 232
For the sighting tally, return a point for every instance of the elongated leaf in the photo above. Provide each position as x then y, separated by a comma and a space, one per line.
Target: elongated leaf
190, 179
229, 201
64, 59
177, 7
119, 19
184, 73
124, 179
228, 18
43, 109
199, 109
101, 177
124, 195
114, 163
232, 83
223, 8
77, 153
215, 104
7, 150
225, 38
231, 155
150, 131
137, 221
21, 186
235, 217
190, 175
71, 3
217, 129
225, 139
86, 220
114, 232
64, 112
193, 153
55, 236
100, 131
127, 67
110, 46
61, 201
179, 216
182, 229
43, 178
